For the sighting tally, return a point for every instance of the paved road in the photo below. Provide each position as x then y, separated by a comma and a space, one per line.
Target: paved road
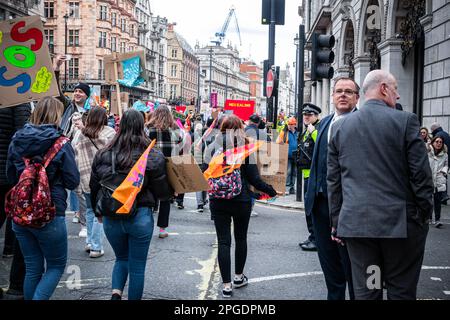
184, 265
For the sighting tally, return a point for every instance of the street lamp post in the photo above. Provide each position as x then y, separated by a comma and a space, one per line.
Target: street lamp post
301, 83
66, 16
296, 42
182, 75
210, 75
226, 83
198, 89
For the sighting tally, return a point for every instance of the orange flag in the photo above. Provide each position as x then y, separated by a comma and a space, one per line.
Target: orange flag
128, 190
234, 156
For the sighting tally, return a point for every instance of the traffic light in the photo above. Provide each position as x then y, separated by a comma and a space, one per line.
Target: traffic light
265, 69
279, 12
322, 56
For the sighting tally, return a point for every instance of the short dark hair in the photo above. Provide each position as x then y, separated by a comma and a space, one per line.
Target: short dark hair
350, 79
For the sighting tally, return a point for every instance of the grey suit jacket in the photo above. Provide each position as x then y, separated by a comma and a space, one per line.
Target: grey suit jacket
379, 176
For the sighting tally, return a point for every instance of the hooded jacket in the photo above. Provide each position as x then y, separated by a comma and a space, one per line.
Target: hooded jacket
33, 142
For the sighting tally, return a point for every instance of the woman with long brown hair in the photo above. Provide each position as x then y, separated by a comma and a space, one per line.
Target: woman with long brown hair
94, 136
438, 159
237, 208
169, 137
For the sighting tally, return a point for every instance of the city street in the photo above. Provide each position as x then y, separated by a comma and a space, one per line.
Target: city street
184, 265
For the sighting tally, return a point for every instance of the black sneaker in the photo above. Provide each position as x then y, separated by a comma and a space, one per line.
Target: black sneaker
242, 282
12, 294
199, 208
116, 296
180, 206
227, 292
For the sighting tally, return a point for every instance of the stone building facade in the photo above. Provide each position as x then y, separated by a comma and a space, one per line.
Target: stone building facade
95, 28
255, 75
409, 38
221, 65
152, 36
182, 70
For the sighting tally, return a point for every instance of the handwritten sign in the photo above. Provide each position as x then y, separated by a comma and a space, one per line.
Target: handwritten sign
241, 108
26, 72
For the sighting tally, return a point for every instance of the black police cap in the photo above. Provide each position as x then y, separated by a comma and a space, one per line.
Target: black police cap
309, 108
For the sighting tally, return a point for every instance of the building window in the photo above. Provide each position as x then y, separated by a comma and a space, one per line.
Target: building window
102, 39
103, 12
174, 53
74, 9
73, 68
132, 30
122, 47
113, 44
113, 19
123, 25
173, 70
101, 70
173, 91
161, 69
161, 49
49, 9
74, 38
49, 36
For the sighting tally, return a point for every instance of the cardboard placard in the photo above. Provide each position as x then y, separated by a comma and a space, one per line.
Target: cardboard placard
185, 175
272, 161
124, 97
109, 60
26, 69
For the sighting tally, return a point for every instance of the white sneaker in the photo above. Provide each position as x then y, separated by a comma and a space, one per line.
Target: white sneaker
83, 233
76, 218
254, 214
96, 253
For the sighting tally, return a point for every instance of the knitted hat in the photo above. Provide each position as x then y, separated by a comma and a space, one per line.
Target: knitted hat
83, 87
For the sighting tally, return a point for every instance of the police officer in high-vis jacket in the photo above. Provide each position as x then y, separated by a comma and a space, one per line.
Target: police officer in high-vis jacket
304, 155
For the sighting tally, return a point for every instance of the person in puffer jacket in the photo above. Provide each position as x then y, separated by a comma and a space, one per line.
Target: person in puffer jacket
44, 249
130, 237
438, 158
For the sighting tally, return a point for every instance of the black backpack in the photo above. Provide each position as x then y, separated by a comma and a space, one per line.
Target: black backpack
106, 204
305, 150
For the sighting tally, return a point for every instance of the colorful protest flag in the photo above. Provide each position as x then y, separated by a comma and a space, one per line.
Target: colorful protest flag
131, 72
234, 158
128, 190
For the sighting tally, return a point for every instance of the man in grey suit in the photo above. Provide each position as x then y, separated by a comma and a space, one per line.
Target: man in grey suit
380, 192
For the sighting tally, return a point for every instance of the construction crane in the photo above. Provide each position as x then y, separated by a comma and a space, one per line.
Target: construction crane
221, 35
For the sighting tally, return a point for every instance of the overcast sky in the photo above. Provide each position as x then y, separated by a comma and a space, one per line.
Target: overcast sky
199, 20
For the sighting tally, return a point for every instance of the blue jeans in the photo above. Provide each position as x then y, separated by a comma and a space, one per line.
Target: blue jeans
46, 246
94, 228
73, 203
291, 174
130, 240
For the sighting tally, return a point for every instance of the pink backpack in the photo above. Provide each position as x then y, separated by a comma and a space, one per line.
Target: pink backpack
29, 202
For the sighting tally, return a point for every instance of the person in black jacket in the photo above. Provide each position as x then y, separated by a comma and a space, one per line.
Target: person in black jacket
11, 120
44, 248
237, 209
169, 138
130, 237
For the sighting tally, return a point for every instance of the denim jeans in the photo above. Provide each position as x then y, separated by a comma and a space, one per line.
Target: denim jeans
130, 240
201, 198
94, 228
291, 174
45, 254
73, 203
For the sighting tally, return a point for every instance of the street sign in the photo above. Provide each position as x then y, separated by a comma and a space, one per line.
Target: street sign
270, 83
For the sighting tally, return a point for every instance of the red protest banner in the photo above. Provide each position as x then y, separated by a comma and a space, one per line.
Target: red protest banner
242, 108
